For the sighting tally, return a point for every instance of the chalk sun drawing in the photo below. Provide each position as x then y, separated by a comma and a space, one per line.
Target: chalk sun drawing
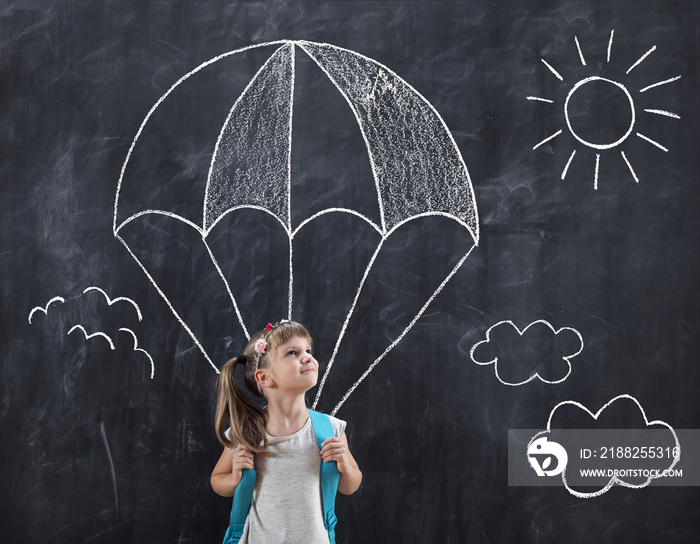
584, 86
614, 479
499, 359
93, 335
255, 142
45, 308
137, 348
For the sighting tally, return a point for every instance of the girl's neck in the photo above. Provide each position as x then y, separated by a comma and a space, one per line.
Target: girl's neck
285, 415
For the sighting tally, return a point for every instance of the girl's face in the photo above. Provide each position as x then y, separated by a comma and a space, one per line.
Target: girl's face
293, 366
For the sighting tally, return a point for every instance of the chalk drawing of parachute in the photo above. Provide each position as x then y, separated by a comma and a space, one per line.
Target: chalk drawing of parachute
237, 154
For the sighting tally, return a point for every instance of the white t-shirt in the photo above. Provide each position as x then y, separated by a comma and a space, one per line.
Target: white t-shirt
287, 505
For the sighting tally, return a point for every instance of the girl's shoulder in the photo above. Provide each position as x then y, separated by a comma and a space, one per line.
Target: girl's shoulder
338, 425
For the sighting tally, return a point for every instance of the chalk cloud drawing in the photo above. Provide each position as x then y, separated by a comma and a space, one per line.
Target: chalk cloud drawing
45, 308
584, 86
417, 168
137, 348
111, 301
100, 334
538, 351
92, 335
614, 480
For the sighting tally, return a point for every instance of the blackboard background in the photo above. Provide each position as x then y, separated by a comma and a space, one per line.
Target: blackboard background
94, 450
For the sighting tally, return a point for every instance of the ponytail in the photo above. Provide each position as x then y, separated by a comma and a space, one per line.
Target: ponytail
245, 419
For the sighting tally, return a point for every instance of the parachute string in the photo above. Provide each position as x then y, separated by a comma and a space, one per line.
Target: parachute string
165, 298
228, 289
347, 320
405, 331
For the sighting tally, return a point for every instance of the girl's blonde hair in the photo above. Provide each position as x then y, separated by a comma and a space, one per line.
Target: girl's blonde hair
246, 420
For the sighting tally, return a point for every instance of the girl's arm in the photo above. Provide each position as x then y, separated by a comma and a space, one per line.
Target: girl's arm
337, 449
227, 473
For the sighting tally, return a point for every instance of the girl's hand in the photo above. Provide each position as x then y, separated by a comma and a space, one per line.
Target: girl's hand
229, 470
337, 449
241, 458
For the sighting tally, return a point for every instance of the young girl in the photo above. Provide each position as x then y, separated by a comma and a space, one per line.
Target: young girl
278, 441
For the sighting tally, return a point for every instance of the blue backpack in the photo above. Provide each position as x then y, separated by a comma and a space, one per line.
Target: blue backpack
329, 486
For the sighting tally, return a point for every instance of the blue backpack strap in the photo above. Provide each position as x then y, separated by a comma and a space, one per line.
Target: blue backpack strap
242, 499
329, 473
241, 506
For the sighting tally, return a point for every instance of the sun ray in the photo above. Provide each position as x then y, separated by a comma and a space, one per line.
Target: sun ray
664, 82
629, 166
612, 33
645, 55
634, 109
547, 139
557, 74
580, 53
652, 142
568, 163
540, 99
662, 112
